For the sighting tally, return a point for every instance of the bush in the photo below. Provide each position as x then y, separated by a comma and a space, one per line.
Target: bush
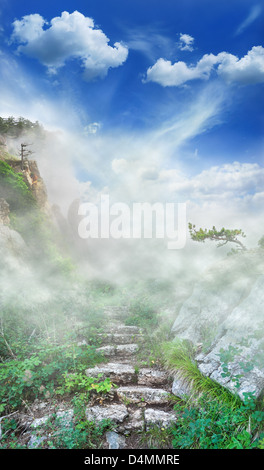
49, 367
211, 424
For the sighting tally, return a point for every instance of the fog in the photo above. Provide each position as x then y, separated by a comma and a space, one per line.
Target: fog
147, 167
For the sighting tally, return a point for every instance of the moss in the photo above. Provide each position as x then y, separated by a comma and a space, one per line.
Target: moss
14, 189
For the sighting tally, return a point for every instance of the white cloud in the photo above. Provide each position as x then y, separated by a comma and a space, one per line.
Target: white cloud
119, 165
186, 42
92, 128
252, 16
235, 180
70, 36
151, 41
247, 70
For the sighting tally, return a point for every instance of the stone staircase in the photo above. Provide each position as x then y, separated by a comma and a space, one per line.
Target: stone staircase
141, 397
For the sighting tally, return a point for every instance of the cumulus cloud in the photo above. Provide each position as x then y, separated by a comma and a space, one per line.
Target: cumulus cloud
247, 70
186, 42
70, 36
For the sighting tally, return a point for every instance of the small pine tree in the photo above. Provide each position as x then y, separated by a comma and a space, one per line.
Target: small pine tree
223, 236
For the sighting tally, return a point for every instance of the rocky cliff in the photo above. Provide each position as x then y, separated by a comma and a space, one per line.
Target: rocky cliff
33, 180
223, 319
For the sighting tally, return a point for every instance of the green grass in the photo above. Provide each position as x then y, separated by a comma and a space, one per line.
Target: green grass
178, 359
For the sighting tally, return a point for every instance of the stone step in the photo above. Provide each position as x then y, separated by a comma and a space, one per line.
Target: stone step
116, 312
126, 373
118, 338
124, 350
155, 417
118, 373
140, 394
125, 329
148, 376
116, 413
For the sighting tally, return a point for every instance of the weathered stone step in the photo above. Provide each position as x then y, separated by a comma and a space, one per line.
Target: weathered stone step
116, 312
125, 329
151, 377
140, 394
118, 373
124, 350
155, 417
119, 338
126, 373
116, 412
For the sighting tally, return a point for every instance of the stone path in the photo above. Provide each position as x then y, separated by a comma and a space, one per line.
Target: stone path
140, 397
143, 395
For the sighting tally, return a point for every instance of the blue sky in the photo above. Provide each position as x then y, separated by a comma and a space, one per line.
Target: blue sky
168, 92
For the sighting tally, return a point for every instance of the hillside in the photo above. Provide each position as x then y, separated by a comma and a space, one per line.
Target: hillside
91, 364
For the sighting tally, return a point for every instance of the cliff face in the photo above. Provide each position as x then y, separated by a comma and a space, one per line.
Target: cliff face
223, 319
33, 180
12, 246
4, 212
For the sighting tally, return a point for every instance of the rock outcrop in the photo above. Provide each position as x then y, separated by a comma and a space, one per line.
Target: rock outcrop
4, 212
12, 245
33, 180
223, 319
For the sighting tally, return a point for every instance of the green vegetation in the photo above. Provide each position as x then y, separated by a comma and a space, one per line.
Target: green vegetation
12, 127
45, 371
223, 236
14, 189
48, 311
178, 357
261, 242
31, 222
213, 424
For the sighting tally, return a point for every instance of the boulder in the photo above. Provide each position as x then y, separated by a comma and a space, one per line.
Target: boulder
223, 318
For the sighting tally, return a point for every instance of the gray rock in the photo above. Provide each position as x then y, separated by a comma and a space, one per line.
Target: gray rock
118, 338
119, 350
65, 418
139, 394
224, 315
36, 441
154, 417
107, 350
135, 422
116, 413
118, 373
180, 388
11, 243
127, 349
152, 377
123, 329
115, 440
38, 422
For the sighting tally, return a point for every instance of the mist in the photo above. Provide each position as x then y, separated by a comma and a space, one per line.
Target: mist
80, 159
151, 167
